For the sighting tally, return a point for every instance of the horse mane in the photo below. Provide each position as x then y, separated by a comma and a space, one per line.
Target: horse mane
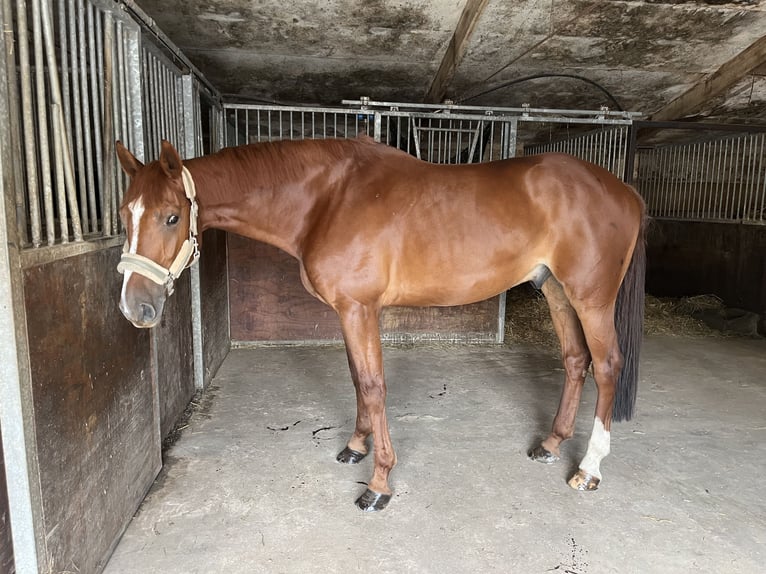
278, 162
286, 160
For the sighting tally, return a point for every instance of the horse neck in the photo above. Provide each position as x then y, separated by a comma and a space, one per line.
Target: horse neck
252, 197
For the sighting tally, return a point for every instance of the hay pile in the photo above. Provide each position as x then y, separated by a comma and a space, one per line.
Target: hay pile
528, 319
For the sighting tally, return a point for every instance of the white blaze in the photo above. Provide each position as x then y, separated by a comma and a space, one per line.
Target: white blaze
136, 208
598, 448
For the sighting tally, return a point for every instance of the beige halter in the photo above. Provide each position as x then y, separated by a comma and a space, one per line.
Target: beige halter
187, 256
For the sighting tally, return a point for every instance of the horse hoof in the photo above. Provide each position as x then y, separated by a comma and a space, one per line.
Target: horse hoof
584, 481
372, 501
348, 456
541, 454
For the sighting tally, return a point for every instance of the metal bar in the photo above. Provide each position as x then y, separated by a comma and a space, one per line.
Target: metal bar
42, 125
66, 187
96, 78
108, 126
30, 144
759, 208
78, 143
452, 107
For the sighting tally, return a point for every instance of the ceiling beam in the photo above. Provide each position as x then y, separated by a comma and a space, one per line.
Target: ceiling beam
456, 50
714, 84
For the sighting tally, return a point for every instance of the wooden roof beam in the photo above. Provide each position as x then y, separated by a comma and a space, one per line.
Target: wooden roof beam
458, 44
714, 84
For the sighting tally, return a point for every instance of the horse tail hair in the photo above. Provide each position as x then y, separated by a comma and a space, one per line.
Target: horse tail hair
629, 322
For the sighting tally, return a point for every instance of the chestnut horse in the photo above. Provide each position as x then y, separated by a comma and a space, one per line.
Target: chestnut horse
372, 226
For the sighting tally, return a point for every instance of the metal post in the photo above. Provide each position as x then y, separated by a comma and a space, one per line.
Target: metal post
16, 407
189, 129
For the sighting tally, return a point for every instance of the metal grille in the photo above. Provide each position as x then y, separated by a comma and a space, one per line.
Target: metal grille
88, 73
438, 138
607, 147
717, 180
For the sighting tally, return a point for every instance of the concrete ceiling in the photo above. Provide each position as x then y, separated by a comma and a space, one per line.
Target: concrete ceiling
708, 56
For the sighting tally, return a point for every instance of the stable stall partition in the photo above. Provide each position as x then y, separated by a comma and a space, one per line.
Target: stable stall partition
86, 397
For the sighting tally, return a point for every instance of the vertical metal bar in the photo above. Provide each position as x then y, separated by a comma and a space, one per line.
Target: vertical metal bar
743, 201
512, 136
759, 207
751, 189
42, 124
108, 169
95, 76
377, 127
630, 154
663, 181
17, 420
57, 131
88, 155
706, 189
78, 142
189, 106
30, 144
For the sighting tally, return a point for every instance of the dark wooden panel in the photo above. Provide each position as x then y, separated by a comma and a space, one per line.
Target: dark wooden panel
214, 291
694, 258
269, 303
94, 407
6, 544
175, 355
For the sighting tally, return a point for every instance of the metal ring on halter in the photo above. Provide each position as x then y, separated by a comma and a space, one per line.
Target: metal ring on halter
187, 256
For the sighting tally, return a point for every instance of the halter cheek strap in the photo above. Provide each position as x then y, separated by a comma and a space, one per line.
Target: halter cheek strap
187, 256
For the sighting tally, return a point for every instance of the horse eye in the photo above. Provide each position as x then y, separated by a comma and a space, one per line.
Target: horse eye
172, 220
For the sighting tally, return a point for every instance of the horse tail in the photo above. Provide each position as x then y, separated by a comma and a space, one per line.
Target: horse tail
629, 322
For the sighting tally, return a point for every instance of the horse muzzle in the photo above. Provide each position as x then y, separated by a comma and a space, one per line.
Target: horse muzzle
142, 305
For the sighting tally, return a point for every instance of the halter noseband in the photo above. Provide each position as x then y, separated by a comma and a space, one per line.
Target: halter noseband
187, 256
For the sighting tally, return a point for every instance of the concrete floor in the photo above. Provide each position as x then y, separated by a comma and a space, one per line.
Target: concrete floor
252, 485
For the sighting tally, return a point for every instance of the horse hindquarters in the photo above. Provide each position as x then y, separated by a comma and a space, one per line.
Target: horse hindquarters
609, 335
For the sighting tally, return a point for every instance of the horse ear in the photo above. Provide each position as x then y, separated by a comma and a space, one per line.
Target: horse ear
170, 160
128, 161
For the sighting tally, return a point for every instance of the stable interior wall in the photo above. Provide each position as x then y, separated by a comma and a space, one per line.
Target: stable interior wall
268, 303
96, 414
106, 393
214, 292
686, 258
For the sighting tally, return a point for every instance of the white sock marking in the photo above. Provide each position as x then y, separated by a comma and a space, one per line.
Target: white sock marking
598, 448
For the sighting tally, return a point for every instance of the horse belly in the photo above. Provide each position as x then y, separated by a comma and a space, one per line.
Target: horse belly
456, 282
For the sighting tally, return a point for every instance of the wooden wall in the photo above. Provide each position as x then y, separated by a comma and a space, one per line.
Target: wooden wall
269, 303
173, 347
6, 544
94, 399
214, 288
692, 258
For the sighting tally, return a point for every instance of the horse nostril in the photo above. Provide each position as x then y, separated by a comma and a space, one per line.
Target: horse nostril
148, 312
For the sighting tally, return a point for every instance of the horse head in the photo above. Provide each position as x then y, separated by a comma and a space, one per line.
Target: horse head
159, 214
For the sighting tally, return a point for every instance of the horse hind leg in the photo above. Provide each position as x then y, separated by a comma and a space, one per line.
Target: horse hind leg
598, 325
576, 358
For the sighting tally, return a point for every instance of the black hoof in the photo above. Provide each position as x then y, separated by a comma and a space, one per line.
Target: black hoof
348, 456
372, 501
541, 454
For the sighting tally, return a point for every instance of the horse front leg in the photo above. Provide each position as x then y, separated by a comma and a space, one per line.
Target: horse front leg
361, 333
